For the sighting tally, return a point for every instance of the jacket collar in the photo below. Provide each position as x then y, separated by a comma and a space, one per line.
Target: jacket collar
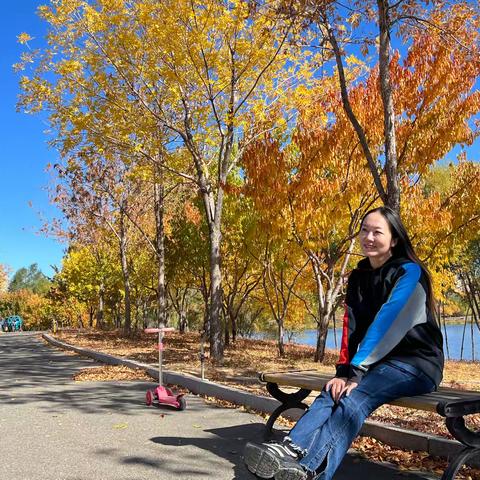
364, 264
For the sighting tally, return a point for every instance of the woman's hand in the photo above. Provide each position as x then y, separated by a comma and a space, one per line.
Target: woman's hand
339, 386
336, 386
349, 386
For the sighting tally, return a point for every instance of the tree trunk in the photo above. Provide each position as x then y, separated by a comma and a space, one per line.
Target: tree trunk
230, 320
182, 322
180, 304
324, 316
117, 315
322, 332
213, 210
233, 320
281, 339
125, 273
393, 190
230, 325
144, 315
472, 299
226, 342
226, 320
391, 194
91, 316
101, 306
206, 296
232, 311
372, 163
216, 343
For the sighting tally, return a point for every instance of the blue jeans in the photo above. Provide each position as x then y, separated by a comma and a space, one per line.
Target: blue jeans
325, 432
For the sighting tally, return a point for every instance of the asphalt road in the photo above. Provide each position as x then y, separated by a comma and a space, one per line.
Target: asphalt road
52, 428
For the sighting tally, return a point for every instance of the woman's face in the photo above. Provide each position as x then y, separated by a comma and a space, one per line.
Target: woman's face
376, 239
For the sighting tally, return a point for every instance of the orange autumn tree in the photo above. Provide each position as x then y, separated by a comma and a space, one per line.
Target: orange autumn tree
381, 25
315, 186
314, 191
435, 92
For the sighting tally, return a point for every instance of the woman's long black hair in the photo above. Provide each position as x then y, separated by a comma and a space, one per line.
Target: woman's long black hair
404, 248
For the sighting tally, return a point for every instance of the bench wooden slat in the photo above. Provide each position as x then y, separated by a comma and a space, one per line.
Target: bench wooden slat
461, 403
312, 380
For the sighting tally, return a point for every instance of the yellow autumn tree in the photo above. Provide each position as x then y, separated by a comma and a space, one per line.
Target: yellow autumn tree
195, 71
3, 278
445, 220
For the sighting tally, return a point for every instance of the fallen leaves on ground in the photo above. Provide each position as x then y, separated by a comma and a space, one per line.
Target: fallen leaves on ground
420, 421
408, 460
107, 373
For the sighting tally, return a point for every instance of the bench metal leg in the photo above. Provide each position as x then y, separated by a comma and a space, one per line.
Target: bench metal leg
454, 413
460, 459
456, 426
289, 400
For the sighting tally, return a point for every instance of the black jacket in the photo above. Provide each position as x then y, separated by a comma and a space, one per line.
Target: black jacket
387, 317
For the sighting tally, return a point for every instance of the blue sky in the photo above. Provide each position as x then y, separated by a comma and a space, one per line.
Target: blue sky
23, 156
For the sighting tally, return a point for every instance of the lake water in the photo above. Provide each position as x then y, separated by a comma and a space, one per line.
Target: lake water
454, 334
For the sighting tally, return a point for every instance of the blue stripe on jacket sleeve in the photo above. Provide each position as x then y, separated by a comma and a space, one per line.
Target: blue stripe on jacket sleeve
388, 313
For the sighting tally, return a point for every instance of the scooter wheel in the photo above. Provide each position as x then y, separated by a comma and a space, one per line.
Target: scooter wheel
149, 398
182, 403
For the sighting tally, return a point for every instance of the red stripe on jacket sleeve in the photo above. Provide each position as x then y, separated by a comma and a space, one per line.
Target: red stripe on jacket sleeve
344, 357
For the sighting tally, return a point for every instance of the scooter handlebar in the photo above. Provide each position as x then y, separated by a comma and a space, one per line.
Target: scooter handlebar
157, 330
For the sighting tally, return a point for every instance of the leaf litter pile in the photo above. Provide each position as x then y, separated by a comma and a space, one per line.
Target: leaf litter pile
107, 373
245, 358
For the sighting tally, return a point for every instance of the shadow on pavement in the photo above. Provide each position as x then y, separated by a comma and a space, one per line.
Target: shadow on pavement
127, 398
229, 444
39, 373
34, 363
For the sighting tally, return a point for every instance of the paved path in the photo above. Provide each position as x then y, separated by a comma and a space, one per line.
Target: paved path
52, 428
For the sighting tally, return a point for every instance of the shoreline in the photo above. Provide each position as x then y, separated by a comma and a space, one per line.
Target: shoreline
453, 336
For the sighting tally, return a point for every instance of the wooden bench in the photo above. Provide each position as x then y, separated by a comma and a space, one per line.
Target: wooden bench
450, 403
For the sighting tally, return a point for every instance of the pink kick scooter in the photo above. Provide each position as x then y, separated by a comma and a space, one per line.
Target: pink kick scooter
163, 395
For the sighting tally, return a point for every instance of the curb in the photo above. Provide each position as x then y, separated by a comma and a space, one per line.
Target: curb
391, 435
194, 384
